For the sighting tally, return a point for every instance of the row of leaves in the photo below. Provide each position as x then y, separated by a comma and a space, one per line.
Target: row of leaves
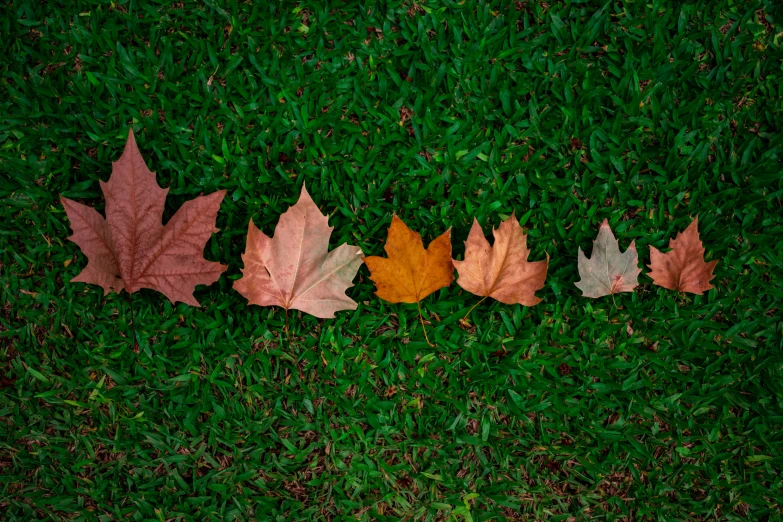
130, 249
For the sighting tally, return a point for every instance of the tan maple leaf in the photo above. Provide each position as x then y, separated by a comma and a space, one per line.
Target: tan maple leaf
501, 271
294, 269
683, 268
131, 249
608, 271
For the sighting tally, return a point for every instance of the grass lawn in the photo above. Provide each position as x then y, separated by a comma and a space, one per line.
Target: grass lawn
664, 406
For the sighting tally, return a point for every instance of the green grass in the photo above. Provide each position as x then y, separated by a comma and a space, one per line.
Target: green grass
648, 113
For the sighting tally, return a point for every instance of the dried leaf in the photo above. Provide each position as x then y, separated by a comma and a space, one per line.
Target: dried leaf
411, 273
131, 248
501, 271
608, 271
683, 268
295, 269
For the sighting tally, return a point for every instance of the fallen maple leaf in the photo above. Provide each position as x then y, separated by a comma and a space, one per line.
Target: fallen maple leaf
683, 268
410, 273
131, 248
294, 269
608, 271
501, 271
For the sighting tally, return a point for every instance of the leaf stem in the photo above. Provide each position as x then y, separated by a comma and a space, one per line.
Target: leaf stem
133, 322
474, 306
418, 304
287, 331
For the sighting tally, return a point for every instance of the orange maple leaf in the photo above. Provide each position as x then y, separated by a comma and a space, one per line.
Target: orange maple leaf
410, 273
683, 268
131, 248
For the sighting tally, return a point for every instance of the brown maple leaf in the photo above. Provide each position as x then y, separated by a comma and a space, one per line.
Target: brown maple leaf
608, 271
683, 268
501, 271
294, 269
131, 249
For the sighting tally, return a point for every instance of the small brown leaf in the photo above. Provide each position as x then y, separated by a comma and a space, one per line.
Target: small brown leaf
683, 268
